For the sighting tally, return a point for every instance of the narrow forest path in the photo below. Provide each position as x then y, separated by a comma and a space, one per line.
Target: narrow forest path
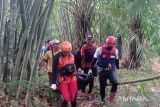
127, 95
124, 92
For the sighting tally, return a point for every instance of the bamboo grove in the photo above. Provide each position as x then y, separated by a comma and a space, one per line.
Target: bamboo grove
21, 33
24, 24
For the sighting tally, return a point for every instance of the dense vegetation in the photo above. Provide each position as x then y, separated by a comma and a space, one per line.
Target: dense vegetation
24, 24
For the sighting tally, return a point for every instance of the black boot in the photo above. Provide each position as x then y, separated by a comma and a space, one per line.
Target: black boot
91, 85
102, 92
64, 104
74, 104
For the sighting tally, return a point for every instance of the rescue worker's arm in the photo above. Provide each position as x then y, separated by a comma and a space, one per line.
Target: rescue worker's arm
41, 63
55, 68
117, 60
96, 55
75, 71
78, 59
117, 63
93, 62
82, 53
43, 60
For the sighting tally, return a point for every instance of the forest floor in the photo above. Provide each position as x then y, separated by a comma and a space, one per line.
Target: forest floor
130, 95
142, 94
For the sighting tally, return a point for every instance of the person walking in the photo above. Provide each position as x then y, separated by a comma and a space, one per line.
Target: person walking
106, 58
64, 77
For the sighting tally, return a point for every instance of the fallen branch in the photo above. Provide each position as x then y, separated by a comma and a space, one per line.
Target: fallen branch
136, 81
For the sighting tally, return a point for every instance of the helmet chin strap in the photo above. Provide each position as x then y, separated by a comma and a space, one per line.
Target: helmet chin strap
66, 53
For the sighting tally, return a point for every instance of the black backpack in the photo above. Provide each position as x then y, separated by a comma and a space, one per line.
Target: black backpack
67, 69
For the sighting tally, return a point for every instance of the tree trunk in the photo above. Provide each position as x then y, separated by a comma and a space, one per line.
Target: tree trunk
30, 36
119, 45
25, 31
83, 13
41, 35
2, 30
135, 54
5, 53
13, 19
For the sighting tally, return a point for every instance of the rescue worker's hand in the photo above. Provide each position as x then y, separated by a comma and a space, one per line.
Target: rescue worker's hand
53, 86
89, 71
79, 69
109, 66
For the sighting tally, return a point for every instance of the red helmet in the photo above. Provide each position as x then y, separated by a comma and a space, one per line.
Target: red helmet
111, 41
66, 46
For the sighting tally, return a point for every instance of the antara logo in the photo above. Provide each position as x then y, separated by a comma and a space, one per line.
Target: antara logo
131, 98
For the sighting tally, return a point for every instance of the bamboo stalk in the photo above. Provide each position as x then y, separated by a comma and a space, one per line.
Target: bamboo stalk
30, 36
44, 24
2, 26
13, 22
24, 30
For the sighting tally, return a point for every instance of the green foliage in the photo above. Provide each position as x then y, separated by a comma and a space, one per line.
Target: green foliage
112, 17
10, 88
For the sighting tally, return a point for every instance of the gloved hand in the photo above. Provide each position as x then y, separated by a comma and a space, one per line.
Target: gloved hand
53, 86
79, 69
109, 66
89, 71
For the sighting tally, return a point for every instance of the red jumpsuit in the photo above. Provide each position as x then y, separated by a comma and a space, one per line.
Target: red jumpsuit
66, 84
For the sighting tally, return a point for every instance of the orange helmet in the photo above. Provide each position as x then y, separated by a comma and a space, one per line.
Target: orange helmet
111, 41
66, 46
